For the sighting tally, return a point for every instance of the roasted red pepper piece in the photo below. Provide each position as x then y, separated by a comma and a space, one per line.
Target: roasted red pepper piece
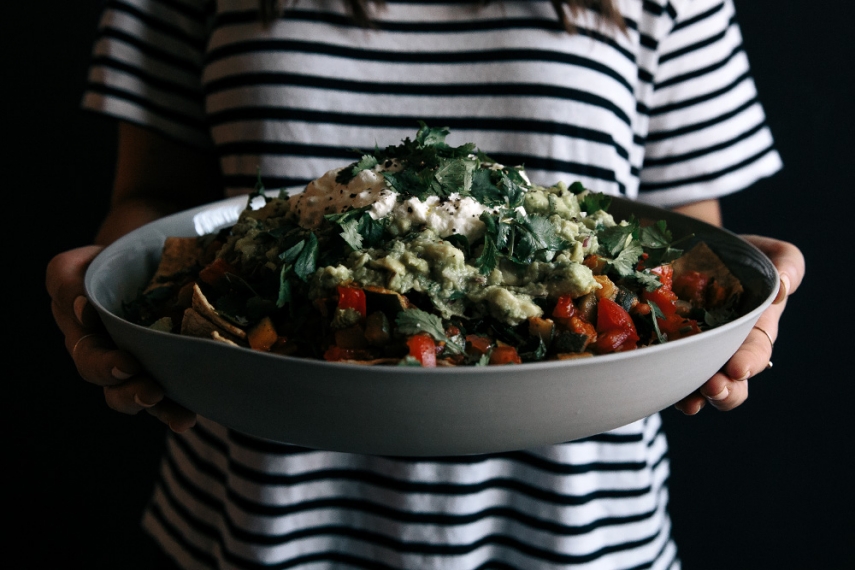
615, 340
423, 348
352, 298
478, 344
674, 326
564, 307
664, 296
505, 355
615, 329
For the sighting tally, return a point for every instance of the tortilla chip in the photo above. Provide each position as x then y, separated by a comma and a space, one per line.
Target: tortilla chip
703, 260
177, 255
220, 338
207, 310
195, 324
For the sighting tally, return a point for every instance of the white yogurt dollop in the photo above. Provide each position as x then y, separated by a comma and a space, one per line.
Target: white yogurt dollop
454, 215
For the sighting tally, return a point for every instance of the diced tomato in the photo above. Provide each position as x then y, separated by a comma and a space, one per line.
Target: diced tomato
640, 265
579, 325
612, 316
664, 298
478, 344
505, 355
352, 298
564, 308
216, 271
615, 329
666, 275
423, 348
616, 340
674, 326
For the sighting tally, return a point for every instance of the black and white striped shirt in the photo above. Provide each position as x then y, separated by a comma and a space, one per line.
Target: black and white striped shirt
666, 113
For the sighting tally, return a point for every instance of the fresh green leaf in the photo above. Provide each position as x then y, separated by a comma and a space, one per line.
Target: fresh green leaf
367, 162
415, 321
489, 258
371, 230
483, 189
577, 188
350, 234
459, 241
594, 202
649, 281
427, 136
615, 238
655, 236
284, 296
627, 260
306, 262
656, 314
289, 255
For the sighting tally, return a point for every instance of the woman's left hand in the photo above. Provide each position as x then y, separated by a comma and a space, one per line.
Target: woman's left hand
728, 388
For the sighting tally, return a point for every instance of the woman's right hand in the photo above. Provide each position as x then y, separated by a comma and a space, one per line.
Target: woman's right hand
127, 387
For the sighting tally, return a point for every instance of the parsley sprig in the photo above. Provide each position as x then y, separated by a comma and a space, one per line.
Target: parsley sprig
415, 321
622, 247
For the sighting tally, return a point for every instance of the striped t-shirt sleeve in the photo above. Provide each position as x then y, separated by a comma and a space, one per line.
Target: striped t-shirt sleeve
707, 134
147, 66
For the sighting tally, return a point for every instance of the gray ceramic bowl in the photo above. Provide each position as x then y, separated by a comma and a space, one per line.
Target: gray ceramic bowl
412, 411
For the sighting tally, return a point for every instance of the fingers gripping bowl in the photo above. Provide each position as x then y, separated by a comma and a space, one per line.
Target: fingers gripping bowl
415, 411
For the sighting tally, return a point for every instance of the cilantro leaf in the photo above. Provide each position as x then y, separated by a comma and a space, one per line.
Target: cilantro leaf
577, 187
614, 239
415, 321
655, 236
427, 136
489, 258
371, 230
367, 162
594, 202
484, 190
627, 260
455, 175
306, 261
284, 296
656, 314
350, 234
459, 241
650, 281
290, 254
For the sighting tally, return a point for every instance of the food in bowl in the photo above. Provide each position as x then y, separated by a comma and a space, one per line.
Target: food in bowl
426, 254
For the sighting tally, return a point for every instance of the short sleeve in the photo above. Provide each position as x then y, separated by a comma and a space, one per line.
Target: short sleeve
707, 134
147, 66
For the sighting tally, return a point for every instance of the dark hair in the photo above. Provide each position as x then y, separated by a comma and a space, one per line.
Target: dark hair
565, 9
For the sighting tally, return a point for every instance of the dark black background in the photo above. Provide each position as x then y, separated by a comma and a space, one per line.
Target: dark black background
765, 486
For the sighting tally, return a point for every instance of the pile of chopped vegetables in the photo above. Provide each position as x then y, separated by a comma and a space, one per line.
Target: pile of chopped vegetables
427, 254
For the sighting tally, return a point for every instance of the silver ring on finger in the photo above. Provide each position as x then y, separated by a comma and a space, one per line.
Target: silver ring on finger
771, 344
